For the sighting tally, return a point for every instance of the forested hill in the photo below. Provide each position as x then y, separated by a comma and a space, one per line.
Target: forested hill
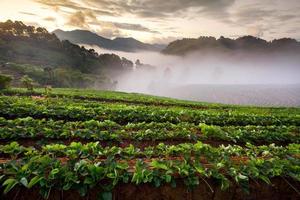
241, 44
31, 51
20, 43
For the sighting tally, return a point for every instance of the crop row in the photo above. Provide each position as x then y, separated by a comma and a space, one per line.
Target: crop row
81, 170
108, 130
140, 99
107, 96
94, 130
254, 134
123, 114
86, 102
94, 104
93, 150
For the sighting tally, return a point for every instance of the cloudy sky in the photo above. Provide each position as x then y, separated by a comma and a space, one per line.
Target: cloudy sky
161, 21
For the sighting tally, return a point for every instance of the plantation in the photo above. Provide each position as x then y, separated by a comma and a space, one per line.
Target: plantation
85, 144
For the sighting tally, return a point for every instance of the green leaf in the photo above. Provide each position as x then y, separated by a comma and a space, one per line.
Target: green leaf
156, 182
224, 183
10, 183
88, 181
158, 165
83, 190
67, 186
34, 181
54, 171
122, 165
111, 175
168, 178
105, 196
24, 181
45, 192
242, 177
200, 169
265, 179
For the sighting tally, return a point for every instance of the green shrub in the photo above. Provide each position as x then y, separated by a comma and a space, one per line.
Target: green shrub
5, 81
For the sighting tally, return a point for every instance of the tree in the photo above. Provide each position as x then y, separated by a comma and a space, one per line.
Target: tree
27, 82
138, 63
127, 64
50, 74
5, 81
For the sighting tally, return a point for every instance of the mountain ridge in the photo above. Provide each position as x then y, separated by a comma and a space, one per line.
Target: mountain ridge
245, 43
127, 44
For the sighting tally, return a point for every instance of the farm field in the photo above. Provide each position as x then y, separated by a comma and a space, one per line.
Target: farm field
86, 144
257, 95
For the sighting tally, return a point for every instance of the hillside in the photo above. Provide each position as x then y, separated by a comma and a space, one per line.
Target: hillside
248, 44
119, 44
41, 55
110, 145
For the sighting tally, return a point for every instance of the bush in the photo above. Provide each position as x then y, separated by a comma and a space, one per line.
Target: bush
5, 81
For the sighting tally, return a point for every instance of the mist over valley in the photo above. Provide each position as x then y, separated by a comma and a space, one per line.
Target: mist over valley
247, 78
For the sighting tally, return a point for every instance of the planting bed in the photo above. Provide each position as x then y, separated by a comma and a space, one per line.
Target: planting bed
73, 144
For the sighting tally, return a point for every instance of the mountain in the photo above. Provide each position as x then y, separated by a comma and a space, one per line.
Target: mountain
119, 44
241, 44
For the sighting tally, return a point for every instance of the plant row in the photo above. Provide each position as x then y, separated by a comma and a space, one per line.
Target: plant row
93, 150
252, 134
123, 114
139, 99
86, 102
22, 128
108, 96
81, 170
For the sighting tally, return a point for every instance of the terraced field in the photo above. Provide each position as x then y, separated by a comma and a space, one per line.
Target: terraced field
84, 144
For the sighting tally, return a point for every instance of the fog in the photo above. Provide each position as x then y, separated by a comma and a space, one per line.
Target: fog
178, 77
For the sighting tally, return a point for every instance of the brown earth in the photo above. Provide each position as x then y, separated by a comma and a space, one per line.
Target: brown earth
281, 189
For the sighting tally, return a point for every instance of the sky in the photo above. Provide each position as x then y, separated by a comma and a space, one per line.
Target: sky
161, 21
